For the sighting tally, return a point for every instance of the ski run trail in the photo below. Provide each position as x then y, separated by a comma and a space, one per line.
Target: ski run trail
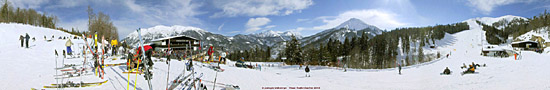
22, 68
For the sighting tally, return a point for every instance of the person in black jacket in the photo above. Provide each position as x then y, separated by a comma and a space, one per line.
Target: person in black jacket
22, 39
307, 71
27, 37
447, 71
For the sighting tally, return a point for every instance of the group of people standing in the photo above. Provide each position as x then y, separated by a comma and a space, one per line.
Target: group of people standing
25, 39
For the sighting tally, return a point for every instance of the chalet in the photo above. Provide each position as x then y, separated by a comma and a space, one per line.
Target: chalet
176, 42
494, 51
179, 45
526, 45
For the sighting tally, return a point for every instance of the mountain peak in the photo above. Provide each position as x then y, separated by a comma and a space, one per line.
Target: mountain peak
271, 33
355, 24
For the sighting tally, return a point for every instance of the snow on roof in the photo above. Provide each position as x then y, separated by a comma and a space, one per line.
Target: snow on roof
172, 37
492, 48
523, 42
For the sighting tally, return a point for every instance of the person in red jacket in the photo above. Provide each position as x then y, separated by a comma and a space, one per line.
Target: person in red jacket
148, 52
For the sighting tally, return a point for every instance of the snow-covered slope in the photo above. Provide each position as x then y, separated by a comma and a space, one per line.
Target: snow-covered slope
33, 68
542, 33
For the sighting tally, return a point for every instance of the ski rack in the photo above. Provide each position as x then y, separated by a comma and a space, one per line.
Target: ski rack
147, 73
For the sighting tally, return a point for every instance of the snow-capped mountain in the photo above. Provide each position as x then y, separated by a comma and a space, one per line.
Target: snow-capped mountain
491, 20
271, 33
264, 39
355, 24
355, 28
237, 42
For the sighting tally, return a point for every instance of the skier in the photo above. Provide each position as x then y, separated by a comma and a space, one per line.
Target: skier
307, 71
223, 58
148, 52
469, 70
399, 66
474, 65
190, 66
69, 44
131, 64
27, 37
446, 71
21, 39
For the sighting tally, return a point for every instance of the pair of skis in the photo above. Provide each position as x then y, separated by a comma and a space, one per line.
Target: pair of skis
76, 85
178, 81
97, 57
147, 72
189, 86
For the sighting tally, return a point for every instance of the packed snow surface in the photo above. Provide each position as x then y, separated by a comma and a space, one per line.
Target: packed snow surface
23, 68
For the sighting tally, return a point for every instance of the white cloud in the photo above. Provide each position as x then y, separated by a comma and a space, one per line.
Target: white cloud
231, 8
26, 3
254, 24
486, 6
170, 12
301, 20
379, 18
234, 32
298, 29
269, 27
133, 6
220, 27
129, 14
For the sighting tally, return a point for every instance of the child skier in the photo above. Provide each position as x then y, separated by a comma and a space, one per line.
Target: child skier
307, 72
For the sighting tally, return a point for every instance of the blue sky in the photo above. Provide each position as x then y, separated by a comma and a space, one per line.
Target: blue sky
231, 17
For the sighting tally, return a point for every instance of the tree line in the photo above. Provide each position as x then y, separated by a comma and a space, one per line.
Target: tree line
99, 23
27, 16
256, 54
380, 51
